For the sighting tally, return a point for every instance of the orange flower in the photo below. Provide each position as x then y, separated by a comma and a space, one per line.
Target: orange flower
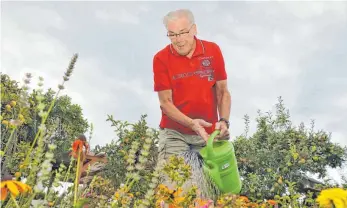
177, 198
272, 202
244, 199
77, 145
14, 187
252, 205
172, 197
201, 202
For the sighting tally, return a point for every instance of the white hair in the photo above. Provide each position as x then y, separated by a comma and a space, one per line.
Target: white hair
173, 15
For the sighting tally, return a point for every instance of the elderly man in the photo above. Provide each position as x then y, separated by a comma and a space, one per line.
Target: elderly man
191, 82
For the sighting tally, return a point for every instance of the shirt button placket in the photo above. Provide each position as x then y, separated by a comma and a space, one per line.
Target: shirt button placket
192, 64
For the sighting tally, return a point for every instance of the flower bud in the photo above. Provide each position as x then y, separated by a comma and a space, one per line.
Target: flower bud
13, 103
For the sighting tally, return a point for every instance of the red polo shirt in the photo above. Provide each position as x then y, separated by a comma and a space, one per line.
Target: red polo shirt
192, 82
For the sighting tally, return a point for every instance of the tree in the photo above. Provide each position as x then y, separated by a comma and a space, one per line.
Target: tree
277, 156
69, 121
11, 94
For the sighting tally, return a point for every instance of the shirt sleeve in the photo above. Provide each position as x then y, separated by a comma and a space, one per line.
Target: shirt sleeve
160, 75
220, 72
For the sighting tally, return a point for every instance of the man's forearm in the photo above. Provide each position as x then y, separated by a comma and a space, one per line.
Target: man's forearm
224, 104
173, 113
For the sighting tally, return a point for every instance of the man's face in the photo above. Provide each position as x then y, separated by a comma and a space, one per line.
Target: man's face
181, 34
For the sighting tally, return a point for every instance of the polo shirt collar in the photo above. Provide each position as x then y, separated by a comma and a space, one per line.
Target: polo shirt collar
199, 49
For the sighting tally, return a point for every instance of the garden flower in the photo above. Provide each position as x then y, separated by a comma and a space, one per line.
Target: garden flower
8, 107
14, 187
13, 103
5, 122
77, 148
244, 199
201, 203
163, 192
17, 174
336, 197
272, 202
78, 145
172, 197
177, 198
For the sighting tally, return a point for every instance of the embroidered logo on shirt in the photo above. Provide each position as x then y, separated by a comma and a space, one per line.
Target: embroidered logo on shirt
206, 62
201, 73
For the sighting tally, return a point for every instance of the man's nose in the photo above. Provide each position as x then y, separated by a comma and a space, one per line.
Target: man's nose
179, 38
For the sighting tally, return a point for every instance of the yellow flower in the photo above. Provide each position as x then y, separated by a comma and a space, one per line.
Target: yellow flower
201, 202
13, 103
8, 107
5, 122
21, 117
280, 180
23, 165
172, 197
177, 198
14, 187
17, 174
116, 195
333, 196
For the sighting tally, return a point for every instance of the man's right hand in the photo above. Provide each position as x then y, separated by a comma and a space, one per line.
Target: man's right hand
198, 125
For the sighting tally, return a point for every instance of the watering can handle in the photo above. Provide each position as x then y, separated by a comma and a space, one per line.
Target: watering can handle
210, 152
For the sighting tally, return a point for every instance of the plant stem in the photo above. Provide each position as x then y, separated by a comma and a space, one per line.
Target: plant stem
127, 181
40, 129
131, 184
76, 179
68, 171
14, 201
9, 140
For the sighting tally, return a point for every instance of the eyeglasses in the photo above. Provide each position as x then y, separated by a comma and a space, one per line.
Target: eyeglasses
181, 34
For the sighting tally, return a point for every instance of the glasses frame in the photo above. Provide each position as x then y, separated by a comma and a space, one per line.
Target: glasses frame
175, 35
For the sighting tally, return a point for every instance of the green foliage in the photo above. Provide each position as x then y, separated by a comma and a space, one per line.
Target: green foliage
118, 152
279, 153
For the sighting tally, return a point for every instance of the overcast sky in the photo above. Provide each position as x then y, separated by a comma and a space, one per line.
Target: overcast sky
271, 49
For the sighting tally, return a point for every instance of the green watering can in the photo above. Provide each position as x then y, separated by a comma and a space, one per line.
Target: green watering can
221, 165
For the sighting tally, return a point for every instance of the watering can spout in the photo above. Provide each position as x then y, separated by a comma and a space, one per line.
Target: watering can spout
221, 165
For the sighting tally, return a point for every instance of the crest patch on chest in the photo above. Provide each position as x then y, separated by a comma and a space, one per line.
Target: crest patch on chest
206, 61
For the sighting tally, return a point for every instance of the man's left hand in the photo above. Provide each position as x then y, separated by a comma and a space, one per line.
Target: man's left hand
224, 132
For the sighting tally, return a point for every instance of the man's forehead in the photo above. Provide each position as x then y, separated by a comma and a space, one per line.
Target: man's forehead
179, 24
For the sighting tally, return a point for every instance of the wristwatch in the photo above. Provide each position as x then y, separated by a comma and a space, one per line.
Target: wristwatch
226, 121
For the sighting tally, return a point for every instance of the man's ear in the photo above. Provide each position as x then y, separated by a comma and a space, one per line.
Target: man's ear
195, 29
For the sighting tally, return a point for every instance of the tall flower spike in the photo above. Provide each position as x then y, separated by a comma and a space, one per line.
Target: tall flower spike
27, 79
28, 75
40, 83
61, 87
70, 68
